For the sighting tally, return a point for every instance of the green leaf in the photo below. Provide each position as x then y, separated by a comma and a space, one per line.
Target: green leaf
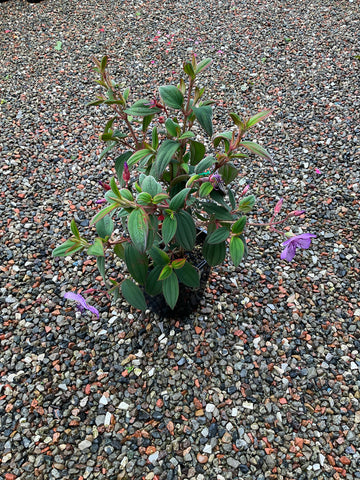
231, 198
205, 189
204, 117
187, 135
119, 165
236, 119
188, 69
214, 254
142, 108
236, 250
95, 103
159, 256
126, 93
114, 188
220, 235
97, 248
63, 249
58, 46
246, 204
168, 229
164, 156
171, 96
151, 186
160, 197
119, 251
172, 128
103, 213
205, 164
154, 138
178, 263
225, 137
133, 294
197, 152
185, 231
144, 198
138, 227
126, 194
105, 227
239, 225
137, 263
139, 155
179, 199
188, 275
256, 149
153, 285
100, 262
202, 65
258, 118
153, 231
165, 272
220, 213
146, 122
228, 173
170, 290
74, 229
107, 150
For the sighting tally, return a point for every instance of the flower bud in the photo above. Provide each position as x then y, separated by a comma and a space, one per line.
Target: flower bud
105, 186
245, 190
126, 173
296, 213
278, 206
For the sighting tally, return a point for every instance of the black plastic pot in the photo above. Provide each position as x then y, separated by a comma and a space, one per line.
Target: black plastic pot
189, 298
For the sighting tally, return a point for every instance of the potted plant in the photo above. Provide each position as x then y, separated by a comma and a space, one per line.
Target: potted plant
170, 197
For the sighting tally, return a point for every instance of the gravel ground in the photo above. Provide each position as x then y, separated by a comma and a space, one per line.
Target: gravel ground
263, 381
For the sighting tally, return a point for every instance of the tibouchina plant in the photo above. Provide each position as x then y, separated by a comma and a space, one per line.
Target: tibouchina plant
171, 183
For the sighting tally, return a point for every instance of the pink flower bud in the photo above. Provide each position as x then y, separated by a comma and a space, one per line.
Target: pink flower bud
296, 213
126, 173
245, 190
278, 206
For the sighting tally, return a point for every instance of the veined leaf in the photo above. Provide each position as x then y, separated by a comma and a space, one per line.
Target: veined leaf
188, 275
159, 256
239, 225
138, 155
171, 96
170, 290
164, 156
197, 152
103, 213
105, 227
151, 186
258, 118
187, 135
185, 231
220, 235
237, 250
246, 204
205, 164
202, 65
97, 248
205, 189
172, 127
153, 285
74, 229
203, 115
67, 248
228, 173
119, 165
142, 108
138, 227
133, 294
137, 263
165, 272
168, 229
256, 149
179, 199
214, 254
